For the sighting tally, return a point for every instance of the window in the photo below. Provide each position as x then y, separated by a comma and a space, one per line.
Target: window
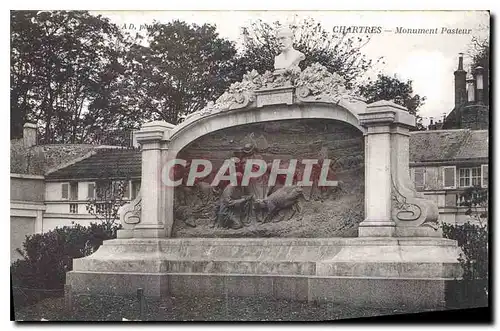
109, 190
469, 177
136, 187
73, 208
119, 189
484, 175
103, 190
449, 177
64, 191
419, 178
91, 190
126, 192
73, 190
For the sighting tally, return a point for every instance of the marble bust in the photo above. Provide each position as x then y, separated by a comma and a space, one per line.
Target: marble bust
289, 58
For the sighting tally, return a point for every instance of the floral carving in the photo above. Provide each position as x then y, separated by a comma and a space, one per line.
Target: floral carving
315, 83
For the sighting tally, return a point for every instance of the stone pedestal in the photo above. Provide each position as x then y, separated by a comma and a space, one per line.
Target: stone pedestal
364, 271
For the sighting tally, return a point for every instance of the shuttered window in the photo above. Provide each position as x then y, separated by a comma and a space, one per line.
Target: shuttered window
136, 187
484, 175
73, 190
449, 177
91, 191
64, 191
419, 178
126, 190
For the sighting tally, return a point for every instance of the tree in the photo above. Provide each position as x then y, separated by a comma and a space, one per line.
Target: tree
476, 200
109, 196
60, 61
184, 67
337, 52
391, 88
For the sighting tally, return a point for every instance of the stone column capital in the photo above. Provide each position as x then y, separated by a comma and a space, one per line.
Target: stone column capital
386, 113
154, 132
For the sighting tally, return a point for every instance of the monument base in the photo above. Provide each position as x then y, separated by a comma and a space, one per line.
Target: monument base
387, 272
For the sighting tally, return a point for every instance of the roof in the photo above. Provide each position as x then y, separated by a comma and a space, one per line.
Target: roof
425, 146
448, 145
38, 159
105, 163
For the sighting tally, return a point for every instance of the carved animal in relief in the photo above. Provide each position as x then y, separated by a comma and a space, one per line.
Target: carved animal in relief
285, 199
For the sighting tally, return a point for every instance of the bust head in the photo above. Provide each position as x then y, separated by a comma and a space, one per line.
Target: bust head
285, 36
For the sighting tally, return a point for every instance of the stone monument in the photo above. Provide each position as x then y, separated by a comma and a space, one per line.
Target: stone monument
280, 240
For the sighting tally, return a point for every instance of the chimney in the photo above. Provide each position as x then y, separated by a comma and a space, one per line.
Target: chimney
479, 77
460, 83
29, 134
471, 88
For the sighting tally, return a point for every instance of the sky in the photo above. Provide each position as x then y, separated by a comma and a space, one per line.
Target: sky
429, 60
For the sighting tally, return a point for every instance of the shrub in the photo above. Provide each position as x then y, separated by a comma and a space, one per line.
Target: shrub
48, 256
473, 240
472, 290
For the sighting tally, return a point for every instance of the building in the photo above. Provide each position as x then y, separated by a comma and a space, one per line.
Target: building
443, 163
453, 154
96, 178
33, 202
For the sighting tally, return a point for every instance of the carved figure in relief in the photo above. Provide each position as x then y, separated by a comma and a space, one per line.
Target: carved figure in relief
234, 206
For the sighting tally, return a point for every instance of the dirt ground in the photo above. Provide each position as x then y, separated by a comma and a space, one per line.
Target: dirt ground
115, 308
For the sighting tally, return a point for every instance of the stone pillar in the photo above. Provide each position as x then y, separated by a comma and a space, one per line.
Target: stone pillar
381, 120
29, 134
151, 137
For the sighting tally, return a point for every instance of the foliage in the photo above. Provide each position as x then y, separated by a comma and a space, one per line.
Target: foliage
111, 192
391, 88
184, 67
473, 238
337, 52
61, 63
109, 198
84, 80
475, 198
48, 256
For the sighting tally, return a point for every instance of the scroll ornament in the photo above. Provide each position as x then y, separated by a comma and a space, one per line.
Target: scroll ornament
408, 210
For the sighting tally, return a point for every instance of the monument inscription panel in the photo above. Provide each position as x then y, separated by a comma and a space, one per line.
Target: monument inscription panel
303, 209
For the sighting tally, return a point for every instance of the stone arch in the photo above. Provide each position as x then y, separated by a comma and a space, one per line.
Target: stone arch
185, 133
182, 135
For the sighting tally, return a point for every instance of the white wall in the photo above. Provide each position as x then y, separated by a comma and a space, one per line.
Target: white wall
50, 222
20, 227
59, 207
53, 191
